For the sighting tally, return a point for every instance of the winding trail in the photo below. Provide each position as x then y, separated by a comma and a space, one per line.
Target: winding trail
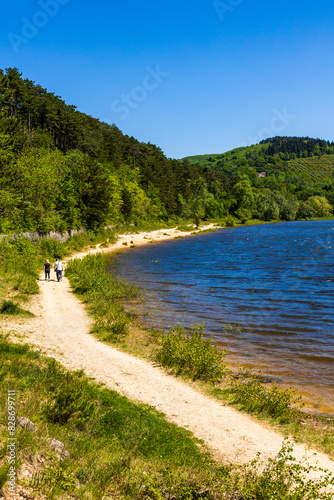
61, 329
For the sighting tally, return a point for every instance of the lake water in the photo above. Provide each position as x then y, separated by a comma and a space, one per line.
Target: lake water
275, 280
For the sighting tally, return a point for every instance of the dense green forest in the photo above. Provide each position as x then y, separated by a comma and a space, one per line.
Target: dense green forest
61, 169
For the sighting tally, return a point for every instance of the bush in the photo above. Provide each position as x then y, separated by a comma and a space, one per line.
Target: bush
8, 307
27, 284
283, 478
51, 248
252, 396
71, 403
229, 221
191, 354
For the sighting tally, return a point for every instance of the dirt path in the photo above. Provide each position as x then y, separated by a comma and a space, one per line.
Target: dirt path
61, 329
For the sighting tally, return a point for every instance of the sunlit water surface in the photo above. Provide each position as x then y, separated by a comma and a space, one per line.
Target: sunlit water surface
275, 280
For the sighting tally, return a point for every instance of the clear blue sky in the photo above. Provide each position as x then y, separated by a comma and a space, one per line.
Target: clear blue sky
191, 76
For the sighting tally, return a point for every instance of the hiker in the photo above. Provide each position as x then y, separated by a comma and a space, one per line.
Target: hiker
58, 267
47, 267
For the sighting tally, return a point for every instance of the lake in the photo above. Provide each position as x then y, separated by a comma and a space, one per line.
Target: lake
275, 280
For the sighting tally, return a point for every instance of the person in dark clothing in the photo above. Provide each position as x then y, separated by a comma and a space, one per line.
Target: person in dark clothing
47, 267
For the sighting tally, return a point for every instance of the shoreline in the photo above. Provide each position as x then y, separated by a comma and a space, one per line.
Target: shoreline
312, 405
230, 435
128, 240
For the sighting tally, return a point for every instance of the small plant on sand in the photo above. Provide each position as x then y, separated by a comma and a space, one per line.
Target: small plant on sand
9, 307
190, 353
248, 393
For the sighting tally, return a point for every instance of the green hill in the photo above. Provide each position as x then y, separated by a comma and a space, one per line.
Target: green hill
310, 158
318, 168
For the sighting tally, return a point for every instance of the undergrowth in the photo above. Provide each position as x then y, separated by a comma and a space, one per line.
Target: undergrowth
9, 307
103, 292
255, 397
190, 353
121, 450
22, 259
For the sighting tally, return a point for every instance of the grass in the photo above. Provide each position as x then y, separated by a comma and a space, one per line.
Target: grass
103, 293
186, 228
10, 308
118, 449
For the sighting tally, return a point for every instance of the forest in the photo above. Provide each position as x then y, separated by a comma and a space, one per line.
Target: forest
61, 169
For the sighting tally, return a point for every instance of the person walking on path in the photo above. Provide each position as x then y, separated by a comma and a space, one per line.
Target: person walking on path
58, 267
47, 267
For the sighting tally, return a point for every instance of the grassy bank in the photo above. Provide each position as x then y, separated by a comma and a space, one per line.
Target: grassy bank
113, 448
22, 259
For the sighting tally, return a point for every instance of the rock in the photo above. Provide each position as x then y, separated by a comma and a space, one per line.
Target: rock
59, 448
26, 424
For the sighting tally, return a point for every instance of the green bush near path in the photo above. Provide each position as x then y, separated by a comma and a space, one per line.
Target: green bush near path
189, 353
103, 292
254, 397
121, 450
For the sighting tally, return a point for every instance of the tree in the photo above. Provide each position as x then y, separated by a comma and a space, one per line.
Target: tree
244, 199
266, 207
305, 211
321, 206
200, 198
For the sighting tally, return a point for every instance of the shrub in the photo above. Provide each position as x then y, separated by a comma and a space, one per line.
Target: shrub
27, 284
251, 395
9, 307
283, 478
191, 354
50, 247
229, 221
71, 403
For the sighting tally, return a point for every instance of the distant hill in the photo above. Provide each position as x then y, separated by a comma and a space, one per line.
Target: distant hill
310, 158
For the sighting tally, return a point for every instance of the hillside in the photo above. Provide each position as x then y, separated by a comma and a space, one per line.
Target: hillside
310, 158
318, 168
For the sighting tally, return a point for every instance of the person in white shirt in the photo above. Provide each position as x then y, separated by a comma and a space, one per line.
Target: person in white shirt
58, 267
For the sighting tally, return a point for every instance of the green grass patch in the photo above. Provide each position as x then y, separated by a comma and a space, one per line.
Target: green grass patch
118, 449
10, 308
186, 228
